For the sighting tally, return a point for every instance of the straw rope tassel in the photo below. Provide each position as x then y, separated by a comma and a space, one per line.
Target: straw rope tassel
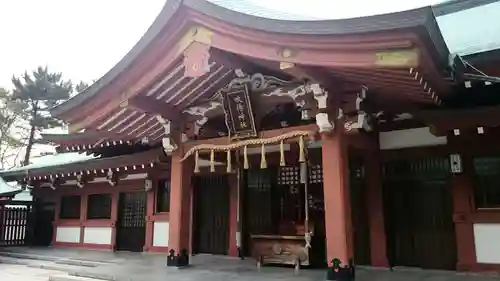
196, 162
282, 154
302, 156
263, 162
229, 164
245, 158
212, 161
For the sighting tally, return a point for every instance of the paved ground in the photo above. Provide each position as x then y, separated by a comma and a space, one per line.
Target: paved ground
138, 267
12, 272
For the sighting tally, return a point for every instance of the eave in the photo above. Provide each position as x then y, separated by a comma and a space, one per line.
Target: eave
444, 122
99, 166
359, 44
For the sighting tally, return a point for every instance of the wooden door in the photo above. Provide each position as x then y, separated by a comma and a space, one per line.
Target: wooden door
211, 214
43, 226
131, 226
359, 211
259, 218
418, 209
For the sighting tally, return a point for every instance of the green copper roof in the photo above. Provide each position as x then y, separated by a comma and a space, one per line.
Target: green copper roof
471, 31
51, 160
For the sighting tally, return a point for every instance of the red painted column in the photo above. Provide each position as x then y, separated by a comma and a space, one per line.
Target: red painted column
150, 210
374, 199
180, 203
83, 215
115, 197
57, 195
336, 198
462, 192
233, 212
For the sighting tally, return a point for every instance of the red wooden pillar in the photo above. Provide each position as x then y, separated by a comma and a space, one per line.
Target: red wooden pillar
233, 213
374, 199
57, 196
115, 197
150, 210
462, 189
339, 242
180, 203
83, 215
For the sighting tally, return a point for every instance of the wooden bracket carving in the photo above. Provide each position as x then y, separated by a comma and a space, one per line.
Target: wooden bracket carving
197, 53
112, 177
363, 118
196, 59
322, 118
168, 145
201, 113
54, 183
148, 185
80, 181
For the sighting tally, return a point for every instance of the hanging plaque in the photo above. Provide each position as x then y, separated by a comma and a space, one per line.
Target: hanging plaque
239, 114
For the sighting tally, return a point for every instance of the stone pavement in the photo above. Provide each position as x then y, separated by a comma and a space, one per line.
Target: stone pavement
10, 272
100, 265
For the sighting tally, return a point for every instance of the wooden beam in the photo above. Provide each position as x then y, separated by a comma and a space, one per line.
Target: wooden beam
153, 107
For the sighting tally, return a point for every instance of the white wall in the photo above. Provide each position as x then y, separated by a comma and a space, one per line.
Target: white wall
487, 242
68, 234
160, 233
97, 235
417, 137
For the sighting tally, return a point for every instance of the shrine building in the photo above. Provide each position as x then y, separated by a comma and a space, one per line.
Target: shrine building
362, 140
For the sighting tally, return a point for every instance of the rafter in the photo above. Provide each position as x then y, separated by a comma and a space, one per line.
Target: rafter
153, 107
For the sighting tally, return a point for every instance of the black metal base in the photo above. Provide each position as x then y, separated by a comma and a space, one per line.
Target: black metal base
179, 260
341, 273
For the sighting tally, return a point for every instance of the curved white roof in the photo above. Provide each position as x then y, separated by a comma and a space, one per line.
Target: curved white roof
467, 31
320, 9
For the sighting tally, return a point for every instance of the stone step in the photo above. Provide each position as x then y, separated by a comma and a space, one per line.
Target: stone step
95, 276
47, 265
63, 277
28, 256
80, 262
17, 261
56, 267
109, 261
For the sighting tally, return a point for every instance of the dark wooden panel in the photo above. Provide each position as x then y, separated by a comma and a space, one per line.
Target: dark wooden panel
131, 226
359, 212
44, 219
211, 214
418, 209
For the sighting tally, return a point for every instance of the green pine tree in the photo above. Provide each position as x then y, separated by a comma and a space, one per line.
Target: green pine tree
11, 129
39, 93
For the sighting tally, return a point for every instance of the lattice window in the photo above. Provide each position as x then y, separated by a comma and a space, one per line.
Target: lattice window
289, 175
134, 206
487, 182
99, 206
70, 207
163, 196
316, 174
259, 192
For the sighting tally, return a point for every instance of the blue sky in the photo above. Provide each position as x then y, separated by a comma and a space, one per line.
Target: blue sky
85, 38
